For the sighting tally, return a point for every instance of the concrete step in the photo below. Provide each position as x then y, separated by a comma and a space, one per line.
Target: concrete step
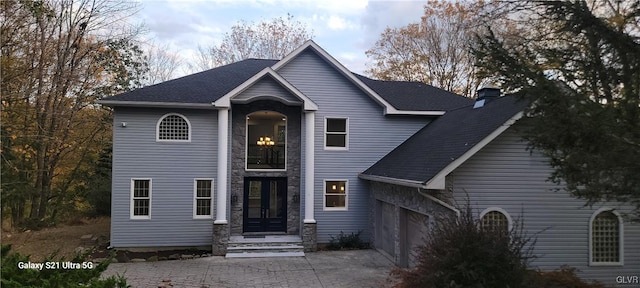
264, 248
264, 254
268, 246
265, 239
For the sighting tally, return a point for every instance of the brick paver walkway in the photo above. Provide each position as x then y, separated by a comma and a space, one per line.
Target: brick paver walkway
361, 268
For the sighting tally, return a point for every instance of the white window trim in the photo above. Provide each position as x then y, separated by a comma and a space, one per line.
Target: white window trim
498, 209
324, 195
246, 144
168, 140
346, 138
195, 198
131, 202
620, 236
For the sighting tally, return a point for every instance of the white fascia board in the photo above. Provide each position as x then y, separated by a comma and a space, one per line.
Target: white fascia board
413, 112
225, 101
438, 182
115, 103
411, 184
388, 108
391, 180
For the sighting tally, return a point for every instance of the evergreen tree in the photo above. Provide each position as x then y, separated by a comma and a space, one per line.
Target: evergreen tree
580, 68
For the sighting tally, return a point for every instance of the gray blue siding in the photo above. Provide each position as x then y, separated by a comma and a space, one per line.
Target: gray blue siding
371, 136
172, 168
505, 175
266, 87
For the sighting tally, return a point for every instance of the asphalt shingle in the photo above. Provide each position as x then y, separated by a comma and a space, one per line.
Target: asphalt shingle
203, 87
415, 96
210, 85
444, 140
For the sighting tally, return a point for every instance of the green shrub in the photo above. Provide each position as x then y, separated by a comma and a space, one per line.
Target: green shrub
347, 242
53, 275
460, 253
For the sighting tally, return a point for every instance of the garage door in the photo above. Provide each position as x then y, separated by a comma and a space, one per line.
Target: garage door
414, 230
385, 228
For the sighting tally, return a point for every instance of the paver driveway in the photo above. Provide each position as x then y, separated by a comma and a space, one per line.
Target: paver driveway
360, 268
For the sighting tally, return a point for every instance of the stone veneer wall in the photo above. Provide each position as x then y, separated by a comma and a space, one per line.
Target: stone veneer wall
239, 114
310, 237
402, 197
220, 239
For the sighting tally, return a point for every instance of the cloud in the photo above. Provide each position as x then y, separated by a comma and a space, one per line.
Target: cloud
355, 62
343, 27
340, 7
379, 15
335, 22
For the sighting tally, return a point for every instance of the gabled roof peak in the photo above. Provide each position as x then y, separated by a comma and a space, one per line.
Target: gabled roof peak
203, 88
225, 101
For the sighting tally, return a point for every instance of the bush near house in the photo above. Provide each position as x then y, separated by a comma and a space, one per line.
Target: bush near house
461, 253
60, 272
347, 242
563, 278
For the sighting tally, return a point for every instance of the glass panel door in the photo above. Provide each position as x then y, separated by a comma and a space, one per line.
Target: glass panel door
265, 204
254, 205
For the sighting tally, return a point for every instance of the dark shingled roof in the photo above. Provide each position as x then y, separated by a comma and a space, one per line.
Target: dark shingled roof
204, 87
444, 140
210, 85
415, 96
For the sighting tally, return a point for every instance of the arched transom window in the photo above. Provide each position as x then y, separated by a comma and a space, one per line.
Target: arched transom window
173, 127
266, 141
606, 242
495, 219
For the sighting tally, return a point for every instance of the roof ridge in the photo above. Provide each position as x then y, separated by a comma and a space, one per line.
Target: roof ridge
253, 58
505, 96
410, 82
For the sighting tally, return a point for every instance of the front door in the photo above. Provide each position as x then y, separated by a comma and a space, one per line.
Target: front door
265, 204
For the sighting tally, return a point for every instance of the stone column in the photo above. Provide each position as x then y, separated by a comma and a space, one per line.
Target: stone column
309, 237
220, 225
309, 229
220, 239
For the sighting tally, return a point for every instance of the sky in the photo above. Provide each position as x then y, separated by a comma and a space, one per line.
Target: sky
344, 28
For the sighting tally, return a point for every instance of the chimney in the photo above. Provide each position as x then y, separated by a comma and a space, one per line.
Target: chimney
487, 93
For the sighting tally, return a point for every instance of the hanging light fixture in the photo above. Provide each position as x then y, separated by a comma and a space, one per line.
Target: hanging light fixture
265, 141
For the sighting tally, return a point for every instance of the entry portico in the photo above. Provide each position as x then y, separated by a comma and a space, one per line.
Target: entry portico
265, 176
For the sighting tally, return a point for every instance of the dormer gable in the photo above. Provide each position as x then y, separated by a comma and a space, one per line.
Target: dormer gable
265, 75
